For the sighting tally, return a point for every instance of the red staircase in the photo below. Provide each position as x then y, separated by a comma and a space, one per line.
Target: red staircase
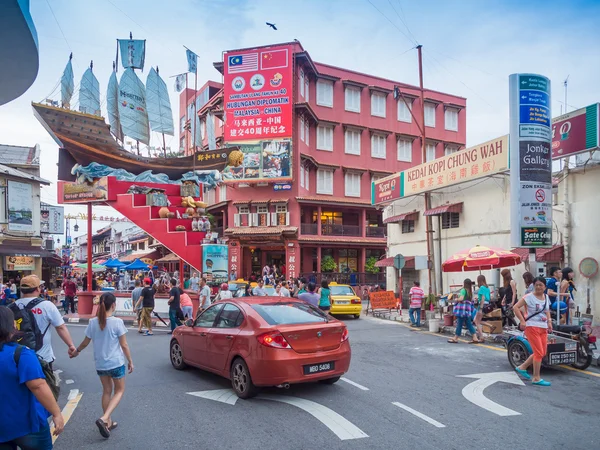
185, 244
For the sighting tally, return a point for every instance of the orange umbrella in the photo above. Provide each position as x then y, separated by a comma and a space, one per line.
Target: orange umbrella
480, 258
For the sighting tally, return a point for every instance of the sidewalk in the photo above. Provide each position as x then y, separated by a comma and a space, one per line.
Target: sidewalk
128, 320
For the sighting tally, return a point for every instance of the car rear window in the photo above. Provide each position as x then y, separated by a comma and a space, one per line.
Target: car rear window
341, 290
289, 313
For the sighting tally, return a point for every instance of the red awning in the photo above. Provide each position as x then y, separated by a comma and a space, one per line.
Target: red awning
400, 217
409, 262
450, 208
553, 254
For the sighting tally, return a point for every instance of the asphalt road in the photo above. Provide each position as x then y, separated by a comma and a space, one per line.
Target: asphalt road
391, 363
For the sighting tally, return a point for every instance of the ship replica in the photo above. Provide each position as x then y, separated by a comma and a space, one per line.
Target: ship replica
134, 111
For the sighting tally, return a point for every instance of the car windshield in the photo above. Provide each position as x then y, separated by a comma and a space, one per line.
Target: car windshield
289, 313
341, 290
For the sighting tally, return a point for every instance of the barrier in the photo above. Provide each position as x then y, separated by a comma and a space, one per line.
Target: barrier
382, 302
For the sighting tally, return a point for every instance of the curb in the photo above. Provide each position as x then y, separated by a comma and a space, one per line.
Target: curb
128, 322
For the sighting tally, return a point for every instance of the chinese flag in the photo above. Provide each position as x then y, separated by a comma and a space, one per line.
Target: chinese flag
274, 59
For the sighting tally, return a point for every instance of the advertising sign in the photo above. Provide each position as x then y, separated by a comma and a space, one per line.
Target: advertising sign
383, 300
84, 192
20, 207
52, 219
575, 132
19, 263
530, 161
263, 161
215, 263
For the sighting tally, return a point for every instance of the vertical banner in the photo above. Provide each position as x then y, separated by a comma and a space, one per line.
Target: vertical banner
214, 263
20, 206
530, 160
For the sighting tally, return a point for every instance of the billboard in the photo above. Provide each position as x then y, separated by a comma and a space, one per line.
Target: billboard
258, 105
72, 192
52, 219
20, 206
575, 132
19, 263
215, 261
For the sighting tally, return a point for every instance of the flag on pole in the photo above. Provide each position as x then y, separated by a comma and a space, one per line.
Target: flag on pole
180, 82
192, 59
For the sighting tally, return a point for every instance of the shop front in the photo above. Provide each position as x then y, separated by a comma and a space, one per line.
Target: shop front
20, 258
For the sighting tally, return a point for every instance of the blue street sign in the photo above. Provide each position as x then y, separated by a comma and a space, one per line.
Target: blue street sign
539, 115
528, 97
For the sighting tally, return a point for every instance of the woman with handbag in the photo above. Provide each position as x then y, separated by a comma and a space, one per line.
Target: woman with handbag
463, 310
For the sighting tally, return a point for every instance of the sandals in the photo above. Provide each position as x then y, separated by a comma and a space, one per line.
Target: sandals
103, 428
113, 426
452, 341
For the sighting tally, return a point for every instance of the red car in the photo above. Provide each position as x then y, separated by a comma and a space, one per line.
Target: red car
263, 341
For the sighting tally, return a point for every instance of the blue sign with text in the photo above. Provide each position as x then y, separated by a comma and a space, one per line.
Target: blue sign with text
528, 97
531, 114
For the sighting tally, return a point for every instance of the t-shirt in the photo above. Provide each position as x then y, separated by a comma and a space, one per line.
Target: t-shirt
205, 292
483, 294
533, 306
529, 289
324, 298
416, 295
310, 297
135, 296
185, 300
175, 304
20, 413
259, 291
551, 284
285, 292
225, 295
194, 283
148, 297
108, 353
45, 313
70, 288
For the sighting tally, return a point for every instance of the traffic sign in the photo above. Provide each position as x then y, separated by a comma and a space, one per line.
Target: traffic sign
533, 82
399, 262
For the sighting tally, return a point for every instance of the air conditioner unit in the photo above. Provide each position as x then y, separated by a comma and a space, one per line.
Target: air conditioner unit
49, 244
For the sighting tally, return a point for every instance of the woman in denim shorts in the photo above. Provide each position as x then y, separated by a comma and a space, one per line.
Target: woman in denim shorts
110, 351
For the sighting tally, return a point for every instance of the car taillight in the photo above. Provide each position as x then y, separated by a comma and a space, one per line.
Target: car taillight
344, 335
273, 340
355, 301
592, 339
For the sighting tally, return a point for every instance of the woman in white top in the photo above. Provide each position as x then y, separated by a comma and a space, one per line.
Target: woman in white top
110, 350
537, 326
225, 293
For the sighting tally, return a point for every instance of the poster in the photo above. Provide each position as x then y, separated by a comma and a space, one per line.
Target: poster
20, 206
536, 205
268, 160
20, 263
575, 132
52, 219
215, 263
84, 192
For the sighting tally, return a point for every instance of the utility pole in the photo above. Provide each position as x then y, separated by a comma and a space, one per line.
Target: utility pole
566, 205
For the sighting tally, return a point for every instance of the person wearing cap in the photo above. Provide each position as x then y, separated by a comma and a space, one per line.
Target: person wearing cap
46, 315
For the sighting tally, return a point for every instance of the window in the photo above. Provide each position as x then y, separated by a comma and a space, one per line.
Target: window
306, 133
210, 195
280, 209
430, 149
306, 178
306, 85
182, 124
404, 150
142, 246
374, 178
378, 104
324, 93
408, 226
450, 149
301, 126
229, 317
451, 119
404, 111
352, 146
289, 313
244, 210
450, 220
263, 209
352, 99
301, 82
207, 318
182, 143
378, 146
352, 184
429, 115
222, 192
325, 181
325, 138
302, 176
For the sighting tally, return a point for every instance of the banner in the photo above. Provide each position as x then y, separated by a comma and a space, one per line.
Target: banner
19, 263
180, 82
83, 192
133, 53
192, 60
20, 206
575, 132
215, 261
52, 219
268, 160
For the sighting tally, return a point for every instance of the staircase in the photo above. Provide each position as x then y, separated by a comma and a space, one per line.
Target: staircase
185, 244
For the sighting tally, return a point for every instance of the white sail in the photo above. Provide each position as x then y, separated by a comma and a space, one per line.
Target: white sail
132, 107
159, 106
67, 85
89, 94
112, 104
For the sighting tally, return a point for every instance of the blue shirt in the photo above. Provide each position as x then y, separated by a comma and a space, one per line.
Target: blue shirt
551, 283
20, 412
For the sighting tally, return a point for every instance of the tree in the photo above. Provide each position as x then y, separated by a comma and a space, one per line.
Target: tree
328, 264
370, 265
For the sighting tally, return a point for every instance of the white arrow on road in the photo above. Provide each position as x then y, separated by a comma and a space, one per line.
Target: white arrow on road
343, 428
474, 391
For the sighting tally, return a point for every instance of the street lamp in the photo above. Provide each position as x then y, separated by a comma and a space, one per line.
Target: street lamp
76, 228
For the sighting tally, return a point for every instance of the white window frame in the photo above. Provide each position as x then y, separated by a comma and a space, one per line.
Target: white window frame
375, 107
325, 138
325, 93
301, 126
375, 140
430, 109
306, 88
262, 209
430, 152
280, 209
404, 110
374, 178
222, 192
307, 178
243, 210
352, 99
404, 150
325, 181
301, 82
352, 184
352, 142
451, 119
450, 149
306, 132
302, 170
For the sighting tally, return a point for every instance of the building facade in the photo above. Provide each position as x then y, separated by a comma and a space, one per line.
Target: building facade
347, 131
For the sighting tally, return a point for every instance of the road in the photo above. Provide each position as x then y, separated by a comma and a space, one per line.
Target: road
404, 390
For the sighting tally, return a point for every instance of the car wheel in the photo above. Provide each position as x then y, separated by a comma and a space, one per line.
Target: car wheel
330, 380
177, 356
517, 353
241, 381
357, 316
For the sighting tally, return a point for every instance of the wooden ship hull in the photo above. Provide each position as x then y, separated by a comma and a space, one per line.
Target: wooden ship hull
85, 138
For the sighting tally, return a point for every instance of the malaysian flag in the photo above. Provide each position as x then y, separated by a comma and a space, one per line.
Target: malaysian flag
248, 62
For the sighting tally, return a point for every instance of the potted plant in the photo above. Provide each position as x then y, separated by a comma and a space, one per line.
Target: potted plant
328, 264
370, 265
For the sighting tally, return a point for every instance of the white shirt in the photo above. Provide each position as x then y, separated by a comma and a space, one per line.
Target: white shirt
45, 313
533, 306
285, 292
225, 295
205, 292
108, 353
194, 283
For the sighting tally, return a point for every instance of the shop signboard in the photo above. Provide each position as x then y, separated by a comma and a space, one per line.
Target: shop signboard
20, 207
52, 219
575, 132
264, 160
530, 161
387, 189
215, 263
19, 262
73, 192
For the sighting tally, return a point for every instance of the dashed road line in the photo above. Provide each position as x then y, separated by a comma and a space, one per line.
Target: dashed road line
427, 419
67, 412
360, 386
69, 382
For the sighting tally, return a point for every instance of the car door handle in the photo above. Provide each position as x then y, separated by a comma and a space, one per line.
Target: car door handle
202, 334
230, 337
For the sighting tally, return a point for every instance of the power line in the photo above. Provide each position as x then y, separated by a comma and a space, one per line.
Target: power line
403, 22
59, 27
393, 24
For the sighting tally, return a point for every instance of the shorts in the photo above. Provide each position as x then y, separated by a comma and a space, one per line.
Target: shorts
118, 372
325, 308
538, 339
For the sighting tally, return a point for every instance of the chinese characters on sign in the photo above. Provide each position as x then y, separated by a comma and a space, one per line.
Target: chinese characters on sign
83, 192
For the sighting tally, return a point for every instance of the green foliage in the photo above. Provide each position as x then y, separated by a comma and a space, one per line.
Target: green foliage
328, 264
370, 265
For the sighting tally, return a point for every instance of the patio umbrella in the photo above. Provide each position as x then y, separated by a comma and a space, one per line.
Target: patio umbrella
136, 265
480, 258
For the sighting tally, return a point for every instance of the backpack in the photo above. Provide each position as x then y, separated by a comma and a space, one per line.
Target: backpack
28, 331
51, 378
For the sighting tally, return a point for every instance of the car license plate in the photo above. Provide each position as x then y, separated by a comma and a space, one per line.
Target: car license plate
562, 358
318, 368
341, 302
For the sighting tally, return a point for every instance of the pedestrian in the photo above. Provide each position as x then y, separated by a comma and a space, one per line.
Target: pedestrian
278, 292
174, 305
204, 295
284, 288
509, 299
224, 292
27, 400
463, 310
13, 290
567, 286
324, 297
311, 295
265, 271
415, 295
301, 286
537, 325
70, 289
147, 303
136, 304
483, 298
186, 305
259, 289
528, 279
552, 283
107, 334
195, 282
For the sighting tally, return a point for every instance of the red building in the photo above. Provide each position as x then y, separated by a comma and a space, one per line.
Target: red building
342, 129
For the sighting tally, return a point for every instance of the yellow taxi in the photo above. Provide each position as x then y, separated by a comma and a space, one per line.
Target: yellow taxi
344, 300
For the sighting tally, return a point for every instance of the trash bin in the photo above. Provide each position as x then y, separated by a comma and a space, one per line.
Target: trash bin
434, 325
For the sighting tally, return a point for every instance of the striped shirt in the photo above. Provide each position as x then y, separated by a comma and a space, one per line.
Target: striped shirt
416, 295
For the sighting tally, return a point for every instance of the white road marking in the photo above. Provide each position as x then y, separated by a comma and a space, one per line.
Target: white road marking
474, 391
72, 394
69, 381
428, 419
360, 386
67, 412
219, 395
57, 371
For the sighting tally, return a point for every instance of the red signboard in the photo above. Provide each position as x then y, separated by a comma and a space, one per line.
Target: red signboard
575, 132
258, 93
387, 189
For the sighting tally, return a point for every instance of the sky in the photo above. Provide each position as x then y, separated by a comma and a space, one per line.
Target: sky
469, 49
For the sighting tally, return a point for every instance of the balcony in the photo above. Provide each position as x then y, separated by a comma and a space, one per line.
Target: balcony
340, 230
377, 232
308, 228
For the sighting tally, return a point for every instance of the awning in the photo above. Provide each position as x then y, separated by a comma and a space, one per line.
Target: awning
171, 257
439, 210
133, 256
34, 252
400, 217
409, 262
553, 254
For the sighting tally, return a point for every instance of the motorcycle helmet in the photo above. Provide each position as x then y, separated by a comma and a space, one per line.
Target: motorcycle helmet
224, 287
